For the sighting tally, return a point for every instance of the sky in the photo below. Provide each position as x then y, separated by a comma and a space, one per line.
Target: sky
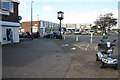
75, 11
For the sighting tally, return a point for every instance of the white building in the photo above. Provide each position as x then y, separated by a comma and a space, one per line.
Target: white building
9, 24
47, 27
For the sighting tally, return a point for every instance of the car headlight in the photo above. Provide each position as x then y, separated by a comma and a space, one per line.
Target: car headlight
109, 51
108, 44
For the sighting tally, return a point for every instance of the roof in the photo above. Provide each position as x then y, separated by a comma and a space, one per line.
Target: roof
11, 1
16, 1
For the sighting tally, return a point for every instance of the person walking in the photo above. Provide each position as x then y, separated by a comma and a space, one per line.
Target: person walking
28, 34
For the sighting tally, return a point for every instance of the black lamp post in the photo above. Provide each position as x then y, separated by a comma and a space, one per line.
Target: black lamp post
60, 17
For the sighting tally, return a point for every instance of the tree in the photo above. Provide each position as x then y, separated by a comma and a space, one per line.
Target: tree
94, 27
106, 21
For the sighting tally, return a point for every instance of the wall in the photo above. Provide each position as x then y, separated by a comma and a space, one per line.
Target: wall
119, 15
13, 17
26, 26
16, 33
0, 33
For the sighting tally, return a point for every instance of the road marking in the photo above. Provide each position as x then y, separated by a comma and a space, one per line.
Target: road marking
87, 47
96, 48
82, 45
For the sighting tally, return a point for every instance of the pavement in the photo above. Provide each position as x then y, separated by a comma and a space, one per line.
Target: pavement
53, 58
38, 58
83, 60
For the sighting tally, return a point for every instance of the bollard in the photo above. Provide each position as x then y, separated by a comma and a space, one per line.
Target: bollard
76, 38
91, 40
64, 37
91, 35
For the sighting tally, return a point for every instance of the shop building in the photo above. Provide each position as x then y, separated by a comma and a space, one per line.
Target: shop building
9, 23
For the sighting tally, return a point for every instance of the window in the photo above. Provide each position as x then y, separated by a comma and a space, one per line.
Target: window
22, 30
8, 6
36, 25
11, 7
35, 29
5, 6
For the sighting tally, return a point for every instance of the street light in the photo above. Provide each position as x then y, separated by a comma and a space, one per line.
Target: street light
60, 17
31, 20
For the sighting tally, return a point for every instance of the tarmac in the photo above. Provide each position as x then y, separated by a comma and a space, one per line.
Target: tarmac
38, 58
53, 58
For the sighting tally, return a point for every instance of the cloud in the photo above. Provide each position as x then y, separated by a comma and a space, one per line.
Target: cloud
22, 5
72, 0
115, 12
82, 18
47, 8
88, 17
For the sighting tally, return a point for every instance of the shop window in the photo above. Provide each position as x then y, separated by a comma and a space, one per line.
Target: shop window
22, 30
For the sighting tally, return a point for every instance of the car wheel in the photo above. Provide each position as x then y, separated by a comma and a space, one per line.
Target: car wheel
102, 65
97, 58
116, 67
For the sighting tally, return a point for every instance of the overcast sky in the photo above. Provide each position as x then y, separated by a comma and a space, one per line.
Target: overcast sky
75, 11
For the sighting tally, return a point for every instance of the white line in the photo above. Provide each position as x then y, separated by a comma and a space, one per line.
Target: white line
96, 48
82, 45
87, 47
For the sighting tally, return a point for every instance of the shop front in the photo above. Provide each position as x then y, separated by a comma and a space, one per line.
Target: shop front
9, 21
9, 32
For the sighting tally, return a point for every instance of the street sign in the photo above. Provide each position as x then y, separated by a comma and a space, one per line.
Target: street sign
19, 18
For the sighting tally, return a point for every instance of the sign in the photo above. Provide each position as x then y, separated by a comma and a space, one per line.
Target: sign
4, 12
19, 18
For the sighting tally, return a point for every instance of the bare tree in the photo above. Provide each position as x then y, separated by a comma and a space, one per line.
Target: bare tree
106, 21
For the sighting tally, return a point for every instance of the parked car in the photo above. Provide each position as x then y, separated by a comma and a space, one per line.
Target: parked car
77, 32
22, 35
25, 35
91, 32
84, 33
47, 36
99, 32
68, 32
36, 35
53, 35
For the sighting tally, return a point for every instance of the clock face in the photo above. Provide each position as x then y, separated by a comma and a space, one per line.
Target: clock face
59, 15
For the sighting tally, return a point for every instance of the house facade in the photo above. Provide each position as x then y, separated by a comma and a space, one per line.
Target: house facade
9, 23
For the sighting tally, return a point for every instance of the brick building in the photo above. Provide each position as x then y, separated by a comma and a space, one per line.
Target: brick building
9, 23
25, 26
